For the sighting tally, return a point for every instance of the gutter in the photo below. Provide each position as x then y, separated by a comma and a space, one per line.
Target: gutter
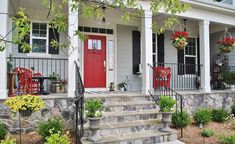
211, 5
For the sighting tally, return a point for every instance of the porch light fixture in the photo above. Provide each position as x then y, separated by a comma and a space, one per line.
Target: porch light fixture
104, 22
185, 28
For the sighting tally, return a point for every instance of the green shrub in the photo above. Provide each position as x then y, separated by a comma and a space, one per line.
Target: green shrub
227, 139
233, 109
52, 126
57, 138
8, 141
93, 108
207, 133
180, 119
166, 103
219, 115
3, 131
202, 115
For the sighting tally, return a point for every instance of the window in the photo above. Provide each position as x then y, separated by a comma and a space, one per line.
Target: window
190, 56
187, 58
39, 37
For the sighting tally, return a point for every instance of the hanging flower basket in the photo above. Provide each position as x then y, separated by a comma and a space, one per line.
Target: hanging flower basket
179, 39
226, 42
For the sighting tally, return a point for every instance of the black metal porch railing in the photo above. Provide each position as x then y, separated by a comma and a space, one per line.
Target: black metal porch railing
45, 66
79, 103
183, 76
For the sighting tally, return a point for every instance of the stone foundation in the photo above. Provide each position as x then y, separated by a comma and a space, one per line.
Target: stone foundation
55, 107
223, 99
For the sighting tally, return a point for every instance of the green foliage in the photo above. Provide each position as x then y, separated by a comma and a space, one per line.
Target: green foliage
8, 141
219, 115
3, 131
180, 119
93, 108
229, 77
202, 115
230, 139
233, 109
207, 133
52, 126
122, 85
166, 103
57, 138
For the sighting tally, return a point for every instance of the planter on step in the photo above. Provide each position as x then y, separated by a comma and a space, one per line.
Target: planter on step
94, 123
166, 120
57, 88
26, 113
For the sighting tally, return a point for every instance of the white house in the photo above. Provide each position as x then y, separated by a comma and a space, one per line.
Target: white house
117, 51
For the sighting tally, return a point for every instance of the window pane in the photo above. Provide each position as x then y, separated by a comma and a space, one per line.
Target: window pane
39, 46
35, 25
190, 65
111, 51
90, 44
35, 33
43, 26
99, 45
43, 33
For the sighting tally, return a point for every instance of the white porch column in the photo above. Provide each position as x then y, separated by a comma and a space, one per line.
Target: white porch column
146, 53
73, 51
204, 33
3, 55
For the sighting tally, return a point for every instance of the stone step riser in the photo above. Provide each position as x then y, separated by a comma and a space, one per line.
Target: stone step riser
123, 99
148, 140
124, 108
125, 130
128, 118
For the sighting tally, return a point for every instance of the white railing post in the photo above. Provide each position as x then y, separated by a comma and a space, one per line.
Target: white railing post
3, 55
73, 51
146, 49
204, 33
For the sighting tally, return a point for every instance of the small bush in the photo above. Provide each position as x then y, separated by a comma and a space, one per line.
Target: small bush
57, 138
202, 115
8, 141
227, 139
180, 119
52, 126
233, 109
3, 131
219, 115
166, 103
207, 133
93, 108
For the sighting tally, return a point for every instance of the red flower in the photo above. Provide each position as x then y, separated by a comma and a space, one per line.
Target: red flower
179, 34
227, 41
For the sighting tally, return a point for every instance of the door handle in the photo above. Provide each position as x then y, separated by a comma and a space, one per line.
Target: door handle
104, 65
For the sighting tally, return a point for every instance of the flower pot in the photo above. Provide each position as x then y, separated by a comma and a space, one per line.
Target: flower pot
57, 88
94, 123
166, 120
26, 113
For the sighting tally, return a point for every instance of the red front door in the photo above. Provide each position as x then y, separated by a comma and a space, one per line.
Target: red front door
95, 61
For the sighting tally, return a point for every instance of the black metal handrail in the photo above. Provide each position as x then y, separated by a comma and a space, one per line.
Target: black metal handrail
167, 91
79, 103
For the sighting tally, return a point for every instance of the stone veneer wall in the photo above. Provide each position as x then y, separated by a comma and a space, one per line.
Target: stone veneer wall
55, 107
223, 99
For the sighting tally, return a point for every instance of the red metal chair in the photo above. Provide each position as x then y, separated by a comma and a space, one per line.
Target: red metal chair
26, 84
161, 77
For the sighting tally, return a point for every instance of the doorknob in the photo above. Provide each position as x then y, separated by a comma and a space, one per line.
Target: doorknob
104, 64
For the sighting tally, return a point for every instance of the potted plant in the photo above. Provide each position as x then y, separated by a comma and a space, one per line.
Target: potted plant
122, 86
226, 44
25, 104
166, 105
179, 39
229, 78
64, 85
93, 111
56, 83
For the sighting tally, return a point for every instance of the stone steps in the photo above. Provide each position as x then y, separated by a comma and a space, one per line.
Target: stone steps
143, 137
111, 117
129, 106
126, 127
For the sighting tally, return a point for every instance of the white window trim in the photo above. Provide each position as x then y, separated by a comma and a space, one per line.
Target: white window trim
35, 54
194, 56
